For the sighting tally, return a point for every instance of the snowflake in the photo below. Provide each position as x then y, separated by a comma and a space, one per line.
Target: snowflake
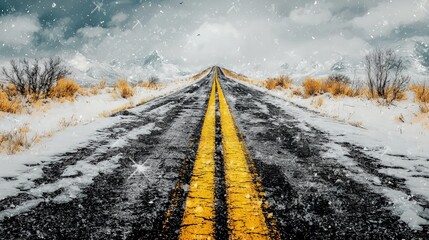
137, 22
98, 6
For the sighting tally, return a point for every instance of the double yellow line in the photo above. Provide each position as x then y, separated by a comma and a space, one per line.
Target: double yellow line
246, 218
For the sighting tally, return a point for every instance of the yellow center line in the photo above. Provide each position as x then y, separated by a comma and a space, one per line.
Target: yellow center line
199, 216
246, 219
244, 194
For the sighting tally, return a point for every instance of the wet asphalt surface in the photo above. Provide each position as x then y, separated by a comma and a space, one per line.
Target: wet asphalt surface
311, 197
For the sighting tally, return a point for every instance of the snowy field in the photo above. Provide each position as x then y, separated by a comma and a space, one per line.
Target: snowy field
400, 145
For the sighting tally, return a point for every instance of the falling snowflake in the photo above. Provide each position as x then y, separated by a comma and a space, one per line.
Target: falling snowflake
98, 6
137, 22
54, 5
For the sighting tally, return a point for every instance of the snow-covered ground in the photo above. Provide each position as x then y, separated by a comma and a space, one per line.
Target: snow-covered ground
85, 116
400, 145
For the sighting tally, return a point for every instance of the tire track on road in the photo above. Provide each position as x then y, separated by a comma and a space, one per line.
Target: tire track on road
312, 197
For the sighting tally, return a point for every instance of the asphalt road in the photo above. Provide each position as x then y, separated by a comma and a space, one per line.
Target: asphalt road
302, 194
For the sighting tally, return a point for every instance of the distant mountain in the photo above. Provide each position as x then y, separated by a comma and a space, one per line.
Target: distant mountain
340, 66
90, 71
153, 60
153, 64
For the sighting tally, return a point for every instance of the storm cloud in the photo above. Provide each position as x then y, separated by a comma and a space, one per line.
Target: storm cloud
257, 36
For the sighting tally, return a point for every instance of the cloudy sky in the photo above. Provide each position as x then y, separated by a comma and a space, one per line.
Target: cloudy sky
243, 35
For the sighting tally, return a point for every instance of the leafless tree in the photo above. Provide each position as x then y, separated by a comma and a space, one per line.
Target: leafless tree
384, 70
339, 77
153, 80
35, 78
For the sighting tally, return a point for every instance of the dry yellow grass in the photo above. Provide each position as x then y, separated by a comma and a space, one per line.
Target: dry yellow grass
297, 91
241, 77
9, 104
105, 114
312, 87
94, 91
281, 81
199, 75
149, 85
101, 84
421, 92
337, 88
124, 107
10, 89
424, 108
390, 96
65, 123
124, 89
317, 103
66, 89
14, 141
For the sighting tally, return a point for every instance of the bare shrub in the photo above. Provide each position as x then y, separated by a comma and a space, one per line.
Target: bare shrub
153, 80
356, 88
35, 78
124, 89
8, 103
338, 77
384, 70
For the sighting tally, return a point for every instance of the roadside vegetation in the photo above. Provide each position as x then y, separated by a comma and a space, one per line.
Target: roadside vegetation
123, 89
385, 84
281, 81
28, 87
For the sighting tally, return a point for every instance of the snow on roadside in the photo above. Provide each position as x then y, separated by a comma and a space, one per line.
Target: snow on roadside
74, 178
19, 170
400, 146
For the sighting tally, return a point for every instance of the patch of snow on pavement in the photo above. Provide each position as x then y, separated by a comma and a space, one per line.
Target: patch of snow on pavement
400, 146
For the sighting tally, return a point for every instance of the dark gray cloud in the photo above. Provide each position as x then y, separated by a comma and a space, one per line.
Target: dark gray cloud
241, 34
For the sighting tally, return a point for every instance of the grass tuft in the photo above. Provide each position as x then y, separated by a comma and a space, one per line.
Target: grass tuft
124, 89
281, 81
10, 104
312, 87
14, 141
65, 89
421, 92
